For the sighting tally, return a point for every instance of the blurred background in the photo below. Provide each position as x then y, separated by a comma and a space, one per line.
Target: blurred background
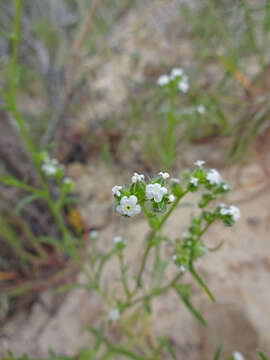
88, 92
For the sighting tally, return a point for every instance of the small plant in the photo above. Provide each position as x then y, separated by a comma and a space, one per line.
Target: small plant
52, 191
156, 199
188, 114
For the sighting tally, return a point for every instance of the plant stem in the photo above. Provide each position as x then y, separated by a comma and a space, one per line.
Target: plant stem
123, 275
156, 292
174, 205
151, 238
170, 133
17, 116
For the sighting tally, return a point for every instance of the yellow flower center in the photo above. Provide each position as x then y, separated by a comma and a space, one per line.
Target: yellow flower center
128, 207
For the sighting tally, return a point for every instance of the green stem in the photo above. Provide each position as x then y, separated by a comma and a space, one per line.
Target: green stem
206, 227
173, 206
170, 133
199, 280
155, 292
123, 275
144, 260
17, 116
150, 240
15, 50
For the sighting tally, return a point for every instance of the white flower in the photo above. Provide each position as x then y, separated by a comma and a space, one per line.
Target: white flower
237, 356
93, 234
163, 80
155, 191
50, 166
165, 175
116, 190
233, 211
182, 268
137, 177
67, 181
222, 205
194, 181
128, 206
118, 239
226, 187
114, 315
199, 163
171, 198
176, 72
200, 109
214, 177
183, 85
186, 234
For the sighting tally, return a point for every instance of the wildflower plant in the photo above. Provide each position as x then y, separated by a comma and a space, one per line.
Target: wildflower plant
52, 188
156, 199
187, 113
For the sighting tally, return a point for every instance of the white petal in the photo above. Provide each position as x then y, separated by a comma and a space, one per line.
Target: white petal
123, 200
158, 197
137, 209
133, 200
119, 209
163, 190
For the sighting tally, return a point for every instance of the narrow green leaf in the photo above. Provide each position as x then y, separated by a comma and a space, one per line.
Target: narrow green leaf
99, 337
218, 352
199, 280
184, 294
6, 34
64, 288
25, 201
262, 356
165, 343
159, 273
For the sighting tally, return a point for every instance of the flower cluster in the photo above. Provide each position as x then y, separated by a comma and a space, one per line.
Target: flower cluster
190, 246
50, 167
176, 80
114, 314
200, 109
232, 213
157, 195
130, 200
237, 356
